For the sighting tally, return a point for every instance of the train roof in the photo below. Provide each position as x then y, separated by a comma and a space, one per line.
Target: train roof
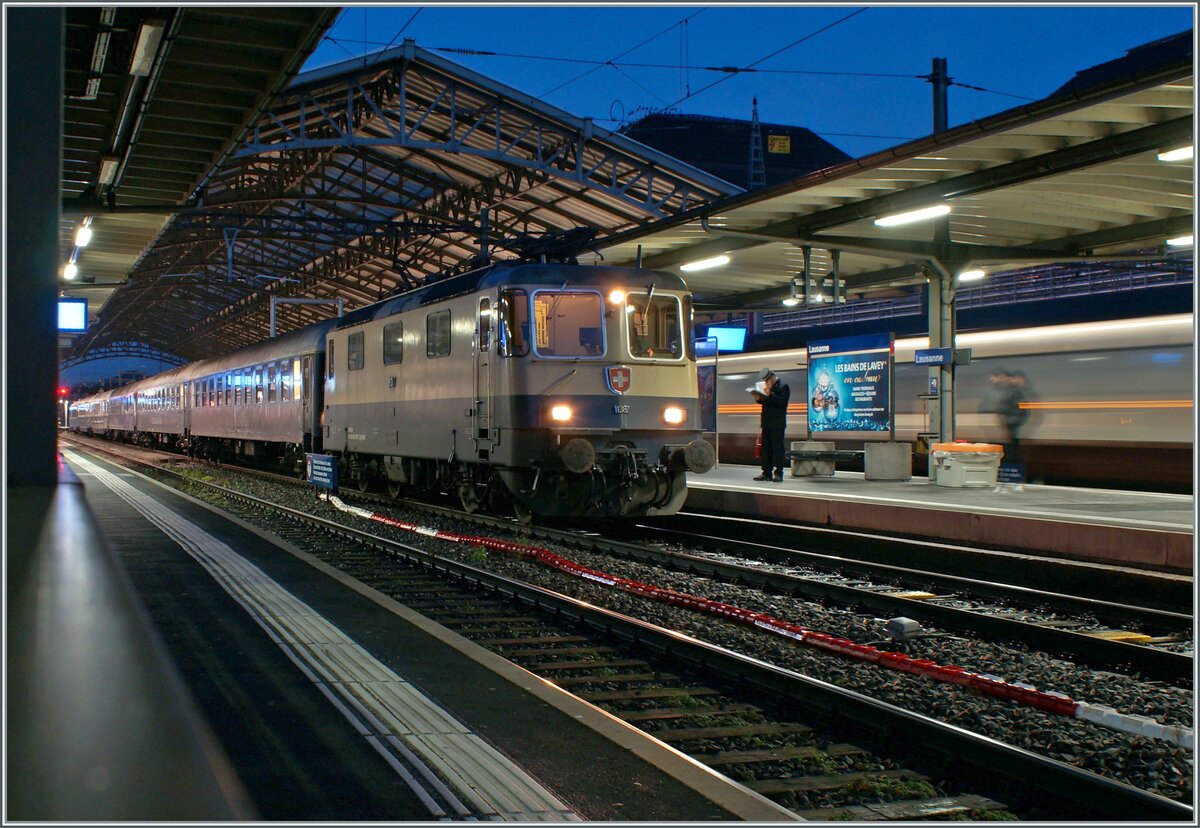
526, 274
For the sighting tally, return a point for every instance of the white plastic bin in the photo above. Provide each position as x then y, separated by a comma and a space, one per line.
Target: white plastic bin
960, 465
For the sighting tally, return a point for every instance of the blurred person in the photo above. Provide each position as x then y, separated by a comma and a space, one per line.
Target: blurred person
1009, 390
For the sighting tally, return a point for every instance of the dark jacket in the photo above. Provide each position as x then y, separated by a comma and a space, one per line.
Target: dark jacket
774, 407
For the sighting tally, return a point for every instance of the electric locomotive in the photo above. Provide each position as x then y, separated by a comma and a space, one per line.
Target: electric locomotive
552, 389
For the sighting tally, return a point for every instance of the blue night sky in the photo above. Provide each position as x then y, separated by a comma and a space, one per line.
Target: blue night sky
1022, 51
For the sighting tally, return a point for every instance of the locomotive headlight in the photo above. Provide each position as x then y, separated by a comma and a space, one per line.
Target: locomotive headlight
674, 415
617, 296
560, 413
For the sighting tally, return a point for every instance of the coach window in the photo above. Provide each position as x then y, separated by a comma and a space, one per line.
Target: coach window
285, 379
220, 389
258, 385
654, 327
329, 360
568, 324
393, 343
356, 355
302, 384
271, 383
248, 385
437, 334
229, 389
514, 322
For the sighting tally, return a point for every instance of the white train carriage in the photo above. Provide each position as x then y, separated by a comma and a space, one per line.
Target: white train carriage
566, 390
259, 401
90, 415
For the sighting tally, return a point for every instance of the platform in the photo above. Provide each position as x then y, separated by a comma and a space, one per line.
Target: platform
1139, 529
240, 611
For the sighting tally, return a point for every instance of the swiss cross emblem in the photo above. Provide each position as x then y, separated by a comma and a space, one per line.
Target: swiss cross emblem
619, 377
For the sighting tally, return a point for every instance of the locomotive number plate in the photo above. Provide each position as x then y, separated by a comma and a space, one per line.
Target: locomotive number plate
620, 409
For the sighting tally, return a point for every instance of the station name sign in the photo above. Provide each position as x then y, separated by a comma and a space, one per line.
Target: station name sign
321, 470
933, 356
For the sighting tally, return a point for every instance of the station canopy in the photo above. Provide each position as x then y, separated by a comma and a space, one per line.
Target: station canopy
1073, 177
365, 178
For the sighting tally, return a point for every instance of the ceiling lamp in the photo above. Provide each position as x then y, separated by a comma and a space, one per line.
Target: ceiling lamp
1181, 241
108, 169
794, 298
1180, 154
149, 34
913, 215
70, 271
971, 276
704, 264
84, 234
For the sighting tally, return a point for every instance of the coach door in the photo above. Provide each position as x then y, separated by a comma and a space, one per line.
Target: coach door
483, 378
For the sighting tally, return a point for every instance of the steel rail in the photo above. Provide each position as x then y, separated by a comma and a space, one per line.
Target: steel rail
1005, 772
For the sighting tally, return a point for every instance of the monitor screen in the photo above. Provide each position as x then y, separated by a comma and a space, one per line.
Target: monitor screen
728, 339
72, 315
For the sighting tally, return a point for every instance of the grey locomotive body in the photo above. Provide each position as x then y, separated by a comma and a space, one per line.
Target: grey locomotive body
566, 390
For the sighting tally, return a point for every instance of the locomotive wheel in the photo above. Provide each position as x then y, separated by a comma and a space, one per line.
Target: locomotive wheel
468, 497
395, 488
522, 513
362, 484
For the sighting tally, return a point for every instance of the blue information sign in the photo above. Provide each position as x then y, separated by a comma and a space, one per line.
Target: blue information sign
321, 470
933, 356
849, 384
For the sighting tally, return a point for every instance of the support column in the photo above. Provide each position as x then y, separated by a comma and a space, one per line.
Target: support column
948, 337
33, 95
933, 291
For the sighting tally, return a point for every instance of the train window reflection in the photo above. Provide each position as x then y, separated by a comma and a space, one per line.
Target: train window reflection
393, 343
437, 334
514, 323
654, 326
568, 324
356, 351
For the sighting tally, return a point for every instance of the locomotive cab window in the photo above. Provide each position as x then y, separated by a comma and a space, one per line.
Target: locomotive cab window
655, 331
356, 351
514, 322
568, 324
437, 334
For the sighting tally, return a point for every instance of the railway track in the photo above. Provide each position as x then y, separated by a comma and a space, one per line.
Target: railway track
817, 748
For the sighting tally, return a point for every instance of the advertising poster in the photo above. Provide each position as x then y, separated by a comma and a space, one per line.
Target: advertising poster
850, 384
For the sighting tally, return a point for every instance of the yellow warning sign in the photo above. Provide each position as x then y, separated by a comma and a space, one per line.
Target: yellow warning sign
779, 144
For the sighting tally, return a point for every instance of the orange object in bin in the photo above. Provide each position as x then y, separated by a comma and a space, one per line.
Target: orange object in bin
965, 447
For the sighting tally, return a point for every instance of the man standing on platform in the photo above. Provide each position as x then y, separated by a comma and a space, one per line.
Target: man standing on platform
773, 397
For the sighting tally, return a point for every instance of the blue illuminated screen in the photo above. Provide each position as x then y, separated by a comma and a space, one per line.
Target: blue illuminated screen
728, 339
72, 315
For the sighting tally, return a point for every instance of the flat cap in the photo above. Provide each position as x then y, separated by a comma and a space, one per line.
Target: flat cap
764, 373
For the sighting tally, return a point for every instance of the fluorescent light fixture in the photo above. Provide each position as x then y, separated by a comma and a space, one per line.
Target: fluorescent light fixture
971, 276
704, 264
1180, 154
791, 301
83, 235
149, 34
70, 271
794, 299
1181, 241
913, 215
108, 169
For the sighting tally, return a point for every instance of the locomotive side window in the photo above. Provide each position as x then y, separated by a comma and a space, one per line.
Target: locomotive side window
514, 323
655, 331
329, 360
485, 324
356, 352
437, 334
689, 327
393, 343
568, 324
